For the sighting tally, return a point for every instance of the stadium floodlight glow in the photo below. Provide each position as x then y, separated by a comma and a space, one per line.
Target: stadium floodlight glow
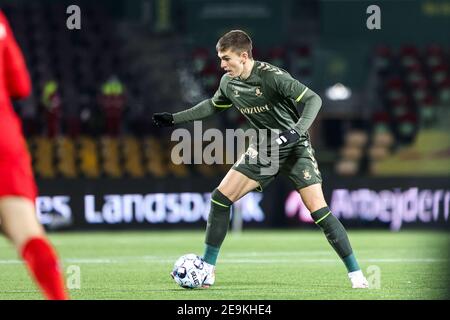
338, 92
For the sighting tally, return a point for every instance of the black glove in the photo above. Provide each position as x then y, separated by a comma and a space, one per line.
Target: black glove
287, 137
164, 119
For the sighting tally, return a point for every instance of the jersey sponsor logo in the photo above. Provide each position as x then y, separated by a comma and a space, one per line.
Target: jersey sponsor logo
252, 110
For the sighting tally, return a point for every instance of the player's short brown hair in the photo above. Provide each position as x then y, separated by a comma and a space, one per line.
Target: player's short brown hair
236, 40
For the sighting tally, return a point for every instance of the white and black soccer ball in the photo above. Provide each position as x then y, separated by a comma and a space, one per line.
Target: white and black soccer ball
189, 271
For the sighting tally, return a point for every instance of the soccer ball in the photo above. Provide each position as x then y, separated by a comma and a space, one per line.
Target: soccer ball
189, 271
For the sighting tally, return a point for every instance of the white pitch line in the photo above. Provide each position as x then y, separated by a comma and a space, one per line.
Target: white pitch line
405, 260
278, 254
154, 259
10, 261
278, 261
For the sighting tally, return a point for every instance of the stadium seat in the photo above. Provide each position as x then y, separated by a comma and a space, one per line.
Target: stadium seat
434, 55
210, 77
381, 145
356, 138
352, 152
154, 161
301, 61
347, 167
206, 170
394, 88
444, 93
200, 59
88, 157
382, 58
407, 127
109, 149
132, 155
427, 111
381, 121
439, 73
277, 56
400, 107
377, 153
383, 139
44, 157
409, 54
178, 170
420, 89
415, 73
66, 157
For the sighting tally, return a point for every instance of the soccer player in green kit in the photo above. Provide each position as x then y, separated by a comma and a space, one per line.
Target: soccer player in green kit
269, 98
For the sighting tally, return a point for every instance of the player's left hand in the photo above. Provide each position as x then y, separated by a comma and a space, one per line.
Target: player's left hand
163, 119
287, 137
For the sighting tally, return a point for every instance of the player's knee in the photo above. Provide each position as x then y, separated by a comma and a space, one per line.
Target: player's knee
19, 220
314, 203
312, 197
316, 206
22, 237
221, 196
229, 193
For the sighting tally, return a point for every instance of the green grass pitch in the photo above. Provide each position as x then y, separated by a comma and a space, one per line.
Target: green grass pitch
255, 265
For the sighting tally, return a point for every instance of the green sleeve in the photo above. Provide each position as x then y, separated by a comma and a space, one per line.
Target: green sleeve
290, 88
285, 85
312, 104
200, 111
220, 100
206, 108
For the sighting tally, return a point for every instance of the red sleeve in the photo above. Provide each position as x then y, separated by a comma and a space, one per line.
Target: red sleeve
17, 78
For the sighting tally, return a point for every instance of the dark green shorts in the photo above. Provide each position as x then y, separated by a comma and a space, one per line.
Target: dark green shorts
295, 161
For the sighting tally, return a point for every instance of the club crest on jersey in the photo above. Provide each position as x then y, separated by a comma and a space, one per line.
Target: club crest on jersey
306, 174
258, 92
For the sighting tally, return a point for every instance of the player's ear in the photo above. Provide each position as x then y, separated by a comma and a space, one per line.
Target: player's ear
244, 57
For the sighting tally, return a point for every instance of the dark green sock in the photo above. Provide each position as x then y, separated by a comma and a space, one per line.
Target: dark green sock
217, 226
336, 236
210, 254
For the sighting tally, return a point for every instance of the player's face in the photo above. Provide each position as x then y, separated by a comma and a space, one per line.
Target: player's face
232, 62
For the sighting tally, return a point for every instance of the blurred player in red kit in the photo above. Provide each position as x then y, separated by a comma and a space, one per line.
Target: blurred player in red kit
18, 191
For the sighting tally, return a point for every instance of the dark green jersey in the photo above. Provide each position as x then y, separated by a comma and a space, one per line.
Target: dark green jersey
267, 98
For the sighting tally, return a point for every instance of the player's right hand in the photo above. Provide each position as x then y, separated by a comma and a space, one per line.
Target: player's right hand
163, 119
